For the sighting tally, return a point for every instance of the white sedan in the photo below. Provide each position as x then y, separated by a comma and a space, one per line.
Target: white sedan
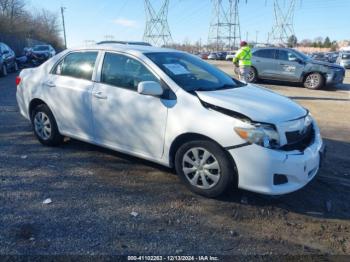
174, 109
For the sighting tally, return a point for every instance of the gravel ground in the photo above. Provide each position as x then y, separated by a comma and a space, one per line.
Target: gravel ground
94, 191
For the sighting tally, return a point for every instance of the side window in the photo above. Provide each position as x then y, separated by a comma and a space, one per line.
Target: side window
78, 65
265, 53
286, 56
122, 71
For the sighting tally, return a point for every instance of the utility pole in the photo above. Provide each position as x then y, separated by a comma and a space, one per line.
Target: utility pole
257, 36
283, 27
64, 26
157, 29
225, 30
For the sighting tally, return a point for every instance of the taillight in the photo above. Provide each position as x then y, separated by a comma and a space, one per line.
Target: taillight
18, 80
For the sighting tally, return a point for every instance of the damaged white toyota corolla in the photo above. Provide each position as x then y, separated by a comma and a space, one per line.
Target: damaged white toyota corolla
172, 108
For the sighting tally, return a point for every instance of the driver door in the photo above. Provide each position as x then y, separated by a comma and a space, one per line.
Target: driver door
123, 118
288, 66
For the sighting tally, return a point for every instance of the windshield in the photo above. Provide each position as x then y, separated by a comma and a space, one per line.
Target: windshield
41, 48
192, 73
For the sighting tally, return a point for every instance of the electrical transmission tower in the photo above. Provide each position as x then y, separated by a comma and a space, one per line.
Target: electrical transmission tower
225, 30
157, 30
283, 27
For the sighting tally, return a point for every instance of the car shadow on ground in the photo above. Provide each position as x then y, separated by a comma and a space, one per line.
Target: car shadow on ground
339, 87
325, 197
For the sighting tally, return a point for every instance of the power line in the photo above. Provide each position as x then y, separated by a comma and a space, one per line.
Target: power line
283, 27
225, 29
157, 31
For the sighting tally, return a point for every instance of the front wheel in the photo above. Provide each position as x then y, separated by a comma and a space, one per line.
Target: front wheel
205, 168
45, 126
314, 81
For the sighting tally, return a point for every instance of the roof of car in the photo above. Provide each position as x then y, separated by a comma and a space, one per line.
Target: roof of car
127, 48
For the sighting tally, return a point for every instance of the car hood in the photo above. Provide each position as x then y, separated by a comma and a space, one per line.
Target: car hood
316, 62
258, 104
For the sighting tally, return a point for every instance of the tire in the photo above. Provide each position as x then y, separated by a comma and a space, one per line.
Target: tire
253, 75
15, 67
4, 70
45, 126
222, 168
314, 81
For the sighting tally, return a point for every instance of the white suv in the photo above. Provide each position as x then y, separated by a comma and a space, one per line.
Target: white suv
173, 108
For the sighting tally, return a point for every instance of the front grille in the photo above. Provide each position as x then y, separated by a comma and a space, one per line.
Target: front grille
300, 140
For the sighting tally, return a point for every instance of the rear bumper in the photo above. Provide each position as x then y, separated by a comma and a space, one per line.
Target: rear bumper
21, 104
257, 167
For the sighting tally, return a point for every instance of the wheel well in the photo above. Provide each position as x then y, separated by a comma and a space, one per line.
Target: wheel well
184, 138
33, 104
180, 140
309, 73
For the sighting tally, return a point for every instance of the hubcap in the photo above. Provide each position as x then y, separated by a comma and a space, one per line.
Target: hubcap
201, 168
313, 80
42, 125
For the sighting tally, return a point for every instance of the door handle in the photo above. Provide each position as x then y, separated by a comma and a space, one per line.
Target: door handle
50, 84
100, 95
258, 61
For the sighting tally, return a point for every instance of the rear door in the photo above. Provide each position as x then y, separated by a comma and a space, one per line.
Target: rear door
68, 91
288, 66
264, 62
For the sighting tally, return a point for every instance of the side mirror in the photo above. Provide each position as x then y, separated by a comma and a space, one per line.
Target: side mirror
150, 88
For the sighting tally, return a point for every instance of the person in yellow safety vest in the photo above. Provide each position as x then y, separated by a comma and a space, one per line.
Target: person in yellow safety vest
243, 61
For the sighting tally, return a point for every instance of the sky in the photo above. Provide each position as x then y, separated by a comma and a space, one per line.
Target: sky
190, 19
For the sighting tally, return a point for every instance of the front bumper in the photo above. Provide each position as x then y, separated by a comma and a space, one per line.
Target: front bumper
257, 167
335, 78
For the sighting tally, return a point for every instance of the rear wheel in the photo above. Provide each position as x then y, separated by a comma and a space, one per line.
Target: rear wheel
205, 168
314, 81
45, 126
253, 75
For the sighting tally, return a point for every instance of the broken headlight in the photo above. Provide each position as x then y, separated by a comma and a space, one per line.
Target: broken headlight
261, 134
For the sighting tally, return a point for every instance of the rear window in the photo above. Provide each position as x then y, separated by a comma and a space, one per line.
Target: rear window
79, 65
265, 53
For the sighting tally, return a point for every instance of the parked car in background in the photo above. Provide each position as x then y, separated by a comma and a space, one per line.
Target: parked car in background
230, 56
44, 51
174, 109
7, 60
290, 65
320, 57
213, 56
344, 60
221, 55
333, 56
204, 56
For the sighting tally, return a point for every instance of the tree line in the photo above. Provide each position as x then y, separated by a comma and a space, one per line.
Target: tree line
318, 42
42, 25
